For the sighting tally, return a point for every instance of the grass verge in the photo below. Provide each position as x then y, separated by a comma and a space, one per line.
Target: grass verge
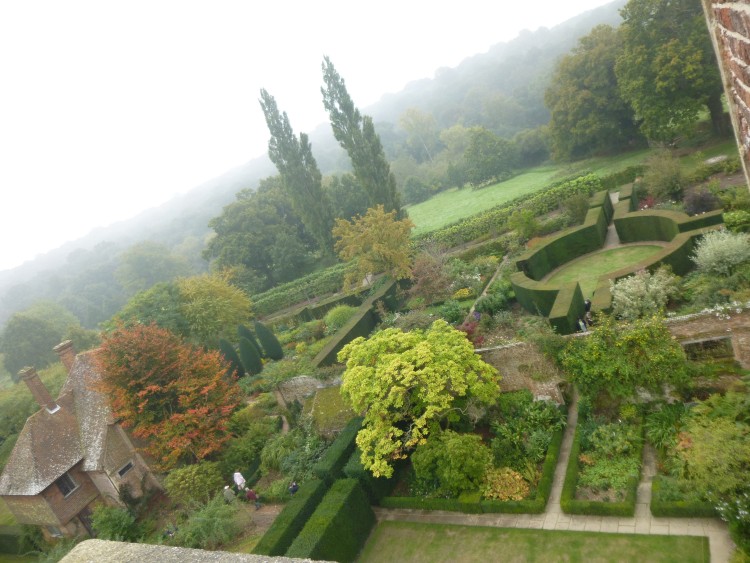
430, 543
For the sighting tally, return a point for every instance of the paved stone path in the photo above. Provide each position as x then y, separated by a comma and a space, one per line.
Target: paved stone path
553, 518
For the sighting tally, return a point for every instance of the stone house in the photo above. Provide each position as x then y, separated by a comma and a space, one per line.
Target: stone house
71, 454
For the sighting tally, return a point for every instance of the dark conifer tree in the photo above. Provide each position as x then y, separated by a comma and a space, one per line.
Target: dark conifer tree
236, 369
250, 358
268, 340
244, 332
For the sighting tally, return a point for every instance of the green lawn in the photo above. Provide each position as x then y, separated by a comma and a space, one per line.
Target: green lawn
589, 268
432, 543
454, 204
5, 558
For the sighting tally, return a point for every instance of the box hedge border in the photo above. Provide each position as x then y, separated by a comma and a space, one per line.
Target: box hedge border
331, 465
570, 505
339, 527
292, 519
471, 504
678, 509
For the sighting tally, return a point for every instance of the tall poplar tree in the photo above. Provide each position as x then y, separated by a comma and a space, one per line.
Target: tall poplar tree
356, 134
299, 172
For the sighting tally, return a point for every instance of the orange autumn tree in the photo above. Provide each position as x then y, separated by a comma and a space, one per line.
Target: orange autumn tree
169, 393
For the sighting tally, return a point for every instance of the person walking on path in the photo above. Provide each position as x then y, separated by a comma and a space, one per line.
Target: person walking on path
228, 494
239, 481
252, 496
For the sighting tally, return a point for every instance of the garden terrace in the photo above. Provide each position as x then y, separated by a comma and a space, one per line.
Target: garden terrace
535, 284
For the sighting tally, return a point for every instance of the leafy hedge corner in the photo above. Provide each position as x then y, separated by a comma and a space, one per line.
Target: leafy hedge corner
292, 519
678, 509
338, 528
332, 463
375, 487
570, 505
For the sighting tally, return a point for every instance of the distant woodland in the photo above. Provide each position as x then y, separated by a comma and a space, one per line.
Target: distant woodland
563, 93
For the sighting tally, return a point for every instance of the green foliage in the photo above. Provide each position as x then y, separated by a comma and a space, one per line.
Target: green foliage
589, 115
244, 332
737, 221
667, 69
663, 425
268, 341
291, 520
523, 223
669, 499
617, 358
338, 317
576, 207
722, 252
410, 379
115, 523
452, 311
209, 527
643, 293
375, 487
609, 474
504, 484
488, 157
299, 172
194, 484
331, 464
338, 528
160, 305
28, 341
250, 358
236, 369
449, 464
663, 176
294, 454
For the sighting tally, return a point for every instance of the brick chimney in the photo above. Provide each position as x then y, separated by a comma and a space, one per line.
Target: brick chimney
66, 353
31, 378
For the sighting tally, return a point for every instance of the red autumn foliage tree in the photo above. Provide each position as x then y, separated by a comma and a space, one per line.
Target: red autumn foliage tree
168, 392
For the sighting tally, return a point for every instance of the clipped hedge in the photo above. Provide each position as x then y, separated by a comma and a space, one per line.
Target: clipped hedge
291, 520
375, 487
10, 539
570, 505
567, 309
339, 527
329, 280
678, 509
535, 297
362, 323
332, 463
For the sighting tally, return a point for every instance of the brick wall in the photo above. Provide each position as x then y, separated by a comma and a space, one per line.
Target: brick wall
67, 507
729, 24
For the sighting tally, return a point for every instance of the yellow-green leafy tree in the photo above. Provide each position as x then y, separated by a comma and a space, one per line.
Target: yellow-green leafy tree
377, 242
407, 383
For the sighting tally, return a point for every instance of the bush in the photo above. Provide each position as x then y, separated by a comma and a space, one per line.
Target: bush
115, 523
737, 221
338, 528
236, 369
504, 484
291, 520
452, 311
331, 464
268, 341
194, 484
722, 252
663, 176
700, 201
663, 506
338, 317
213, 525
643, 293
250, 357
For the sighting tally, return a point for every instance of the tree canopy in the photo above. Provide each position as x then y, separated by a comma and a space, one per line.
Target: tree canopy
171, 393
405, 383
378, 242
667, 69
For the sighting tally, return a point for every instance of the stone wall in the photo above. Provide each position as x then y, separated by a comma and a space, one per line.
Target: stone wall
729, 24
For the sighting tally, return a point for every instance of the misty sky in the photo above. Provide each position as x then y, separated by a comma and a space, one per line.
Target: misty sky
108, 108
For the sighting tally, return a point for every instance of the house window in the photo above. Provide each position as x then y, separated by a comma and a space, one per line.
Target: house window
66, 485
125, 468
54, 531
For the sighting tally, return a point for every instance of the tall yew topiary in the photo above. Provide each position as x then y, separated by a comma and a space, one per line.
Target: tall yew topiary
270, 343
236, 369
244, 332
250, 357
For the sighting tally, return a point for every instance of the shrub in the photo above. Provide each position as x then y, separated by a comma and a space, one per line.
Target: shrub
663, 176
338, 528
194, 484
576, 207
605, 473
250, 357
450, 463
115, 523
338, 317
236, 369
737, 221
211, 526
700, 201
491, 304
291, 520
504, 484
643, 293
268, 341
244, 332
722, 252
413, 320
452, 311
243, 452
463, 293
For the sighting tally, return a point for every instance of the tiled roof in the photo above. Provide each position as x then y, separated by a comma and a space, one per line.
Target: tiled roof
51, 443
